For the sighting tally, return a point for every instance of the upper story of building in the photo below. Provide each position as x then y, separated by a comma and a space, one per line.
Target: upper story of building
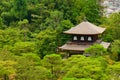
85, 32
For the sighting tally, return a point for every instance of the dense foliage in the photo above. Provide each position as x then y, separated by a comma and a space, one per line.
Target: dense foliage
31, 31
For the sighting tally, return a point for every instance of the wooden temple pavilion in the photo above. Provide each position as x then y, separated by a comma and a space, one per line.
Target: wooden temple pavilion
83, 35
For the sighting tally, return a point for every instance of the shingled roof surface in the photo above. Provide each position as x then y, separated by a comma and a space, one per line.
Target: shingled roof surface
75, 47
85, 28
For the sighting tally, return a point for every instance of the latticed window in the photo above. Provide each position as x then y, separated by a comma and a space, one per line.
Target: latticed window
89, 38
82, 38
75, 38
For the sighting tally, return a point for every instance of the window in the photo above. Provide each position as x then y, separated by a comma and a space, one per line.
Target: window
75, 38
89, 38
82, 38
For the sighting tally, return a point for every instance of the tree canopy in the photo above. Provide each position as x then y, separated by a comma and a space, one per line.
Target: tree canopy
32, 30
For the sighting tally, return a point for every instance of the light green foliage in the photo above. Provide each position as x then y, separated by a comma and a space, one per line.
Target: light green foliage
56, 18
33, 57
85, 67
53, 63
65, 25
25, 21
113, 27
6, 55
47, 37
70, 79
24, 28
30, 29
62, 38
115, 49
96, 50
114, 20
114, 71
27, 69
9, 36
77, 79
23, 47
7, 69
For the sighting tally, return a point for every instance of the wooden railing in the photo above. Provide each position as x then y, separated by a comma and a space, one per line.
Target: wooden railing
84, 43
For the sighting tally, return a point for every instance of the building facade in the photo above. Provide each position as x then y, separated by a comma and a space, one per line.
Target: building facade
83, 35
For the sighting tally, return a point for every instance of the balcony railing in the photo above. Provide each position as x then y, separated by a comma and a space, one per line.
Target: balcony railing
84, 43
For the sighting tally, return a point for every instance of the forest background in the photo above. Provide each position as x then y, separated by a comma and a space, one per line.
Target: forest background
31, 32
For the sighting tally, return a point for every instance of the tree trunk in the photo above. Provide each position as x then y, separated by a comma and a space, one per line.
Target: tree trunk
5, 77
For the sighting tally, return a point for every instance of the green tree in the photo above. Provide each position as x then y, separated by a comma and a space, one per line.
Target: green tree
20, 9
113, 71
115, 49
70, 79
53, 21
7, 69
24, 28
1, 23
23, 47
62, 38
46, 37
27, 69
32, 1
81, 67
113, 27
96, 50
9, 36
53, 63
77, 10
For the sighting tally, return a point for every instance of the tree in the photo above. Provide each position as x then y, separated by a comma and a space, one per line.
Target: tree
53, 63
1, 23
20, 9
27, 69
24, 27
32, 1
48, 39
113, 27
70, 79
23, 47
7, 69
62, 38
81, 67
115, 49
77, 10
77, 79
54, 20
114, 71
9, 36
96, 50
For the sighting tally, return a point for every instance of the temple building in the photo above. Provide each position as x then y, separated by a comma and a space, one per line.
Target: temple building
83, 35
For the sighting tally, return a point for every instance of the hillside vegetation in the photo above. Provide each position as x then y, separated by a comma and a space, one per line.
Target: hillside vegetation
32, 30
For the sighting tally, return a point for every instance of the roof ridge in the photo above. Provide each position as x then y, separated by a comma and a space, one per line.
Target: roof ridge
85, 27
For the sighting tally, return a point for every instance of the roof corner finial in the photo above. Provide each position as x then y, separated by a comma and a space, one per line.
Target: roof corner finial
85, 19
